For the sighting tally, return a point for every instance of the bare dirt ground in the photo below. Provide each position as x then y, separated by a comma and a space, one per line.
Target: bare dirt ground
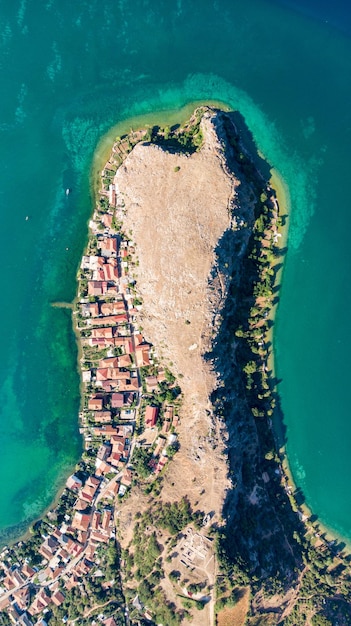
177, 208
176, 219
235, 615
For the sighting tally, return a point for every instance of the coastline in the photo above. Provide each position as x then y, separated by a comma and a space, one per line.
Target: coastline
277, 183
100, 189
92, 517
80, 299
103, 480
282, 194
316, 528
101, 155
62, 478
138, 122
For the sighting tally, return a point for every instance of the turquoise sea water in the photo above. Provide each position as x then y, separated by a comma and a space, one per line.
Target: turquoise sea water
69, 71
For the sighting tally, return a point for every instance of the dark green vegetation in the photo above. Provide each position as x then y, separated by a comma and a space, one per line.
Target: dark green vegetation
186, 139
175, 516
99, 586
166, 390
259, 543
143, 559
265, 545
95, 591
141, 461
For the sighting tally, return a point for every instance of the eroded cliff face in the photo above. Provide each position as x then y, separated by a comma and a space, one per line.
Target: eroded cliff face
179, 210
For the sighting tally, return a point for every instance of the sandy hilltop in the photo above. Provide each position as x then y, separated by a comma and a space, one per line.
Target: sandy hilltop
177, 208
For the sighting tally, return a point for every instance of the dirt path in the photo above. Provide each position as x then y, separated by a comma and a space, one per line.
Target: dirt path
96, 606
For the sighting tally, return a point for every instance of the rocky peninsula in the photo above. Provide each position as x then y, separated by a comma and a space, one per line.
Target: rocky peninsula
179, 511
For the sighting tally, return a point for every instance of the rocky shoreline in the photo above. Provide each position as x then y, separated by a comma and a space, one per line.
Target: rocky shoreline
178, 511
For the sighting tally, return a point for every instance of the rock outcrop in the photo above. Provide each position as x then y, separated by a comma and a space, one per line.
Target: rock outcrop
178, 209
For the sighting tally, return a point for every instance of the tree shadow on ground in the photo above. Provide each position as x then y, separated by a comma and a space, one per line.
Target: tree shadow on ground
260, 540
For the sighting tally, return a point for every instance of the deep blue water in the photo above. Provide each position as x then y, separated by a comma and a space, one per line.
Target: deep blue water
70, 71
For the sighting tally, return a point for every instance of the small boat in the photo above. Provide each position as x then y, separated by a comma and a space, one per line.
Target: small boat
68, 191
27, 218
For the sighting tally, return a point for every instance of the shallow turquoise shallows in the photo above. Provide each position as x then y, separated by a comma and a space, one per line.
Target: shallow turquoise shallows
71, 70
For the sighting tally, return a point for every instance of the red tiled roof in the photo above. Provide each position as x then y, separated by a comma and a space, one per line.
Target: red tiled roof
113, 308
58, 598
151, 413
109, 244
107, 333
102, 417
95, 404
81, 521
142, 354
117, 400
111, 361
97, 287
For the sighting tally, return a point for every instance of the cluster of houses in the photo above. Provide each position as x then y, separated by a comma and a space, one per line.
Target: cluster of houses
68, 553
117, 353
115, 401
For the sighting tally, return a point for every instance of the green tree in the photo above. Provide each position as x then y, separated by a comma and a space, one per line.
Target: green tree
250, 367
